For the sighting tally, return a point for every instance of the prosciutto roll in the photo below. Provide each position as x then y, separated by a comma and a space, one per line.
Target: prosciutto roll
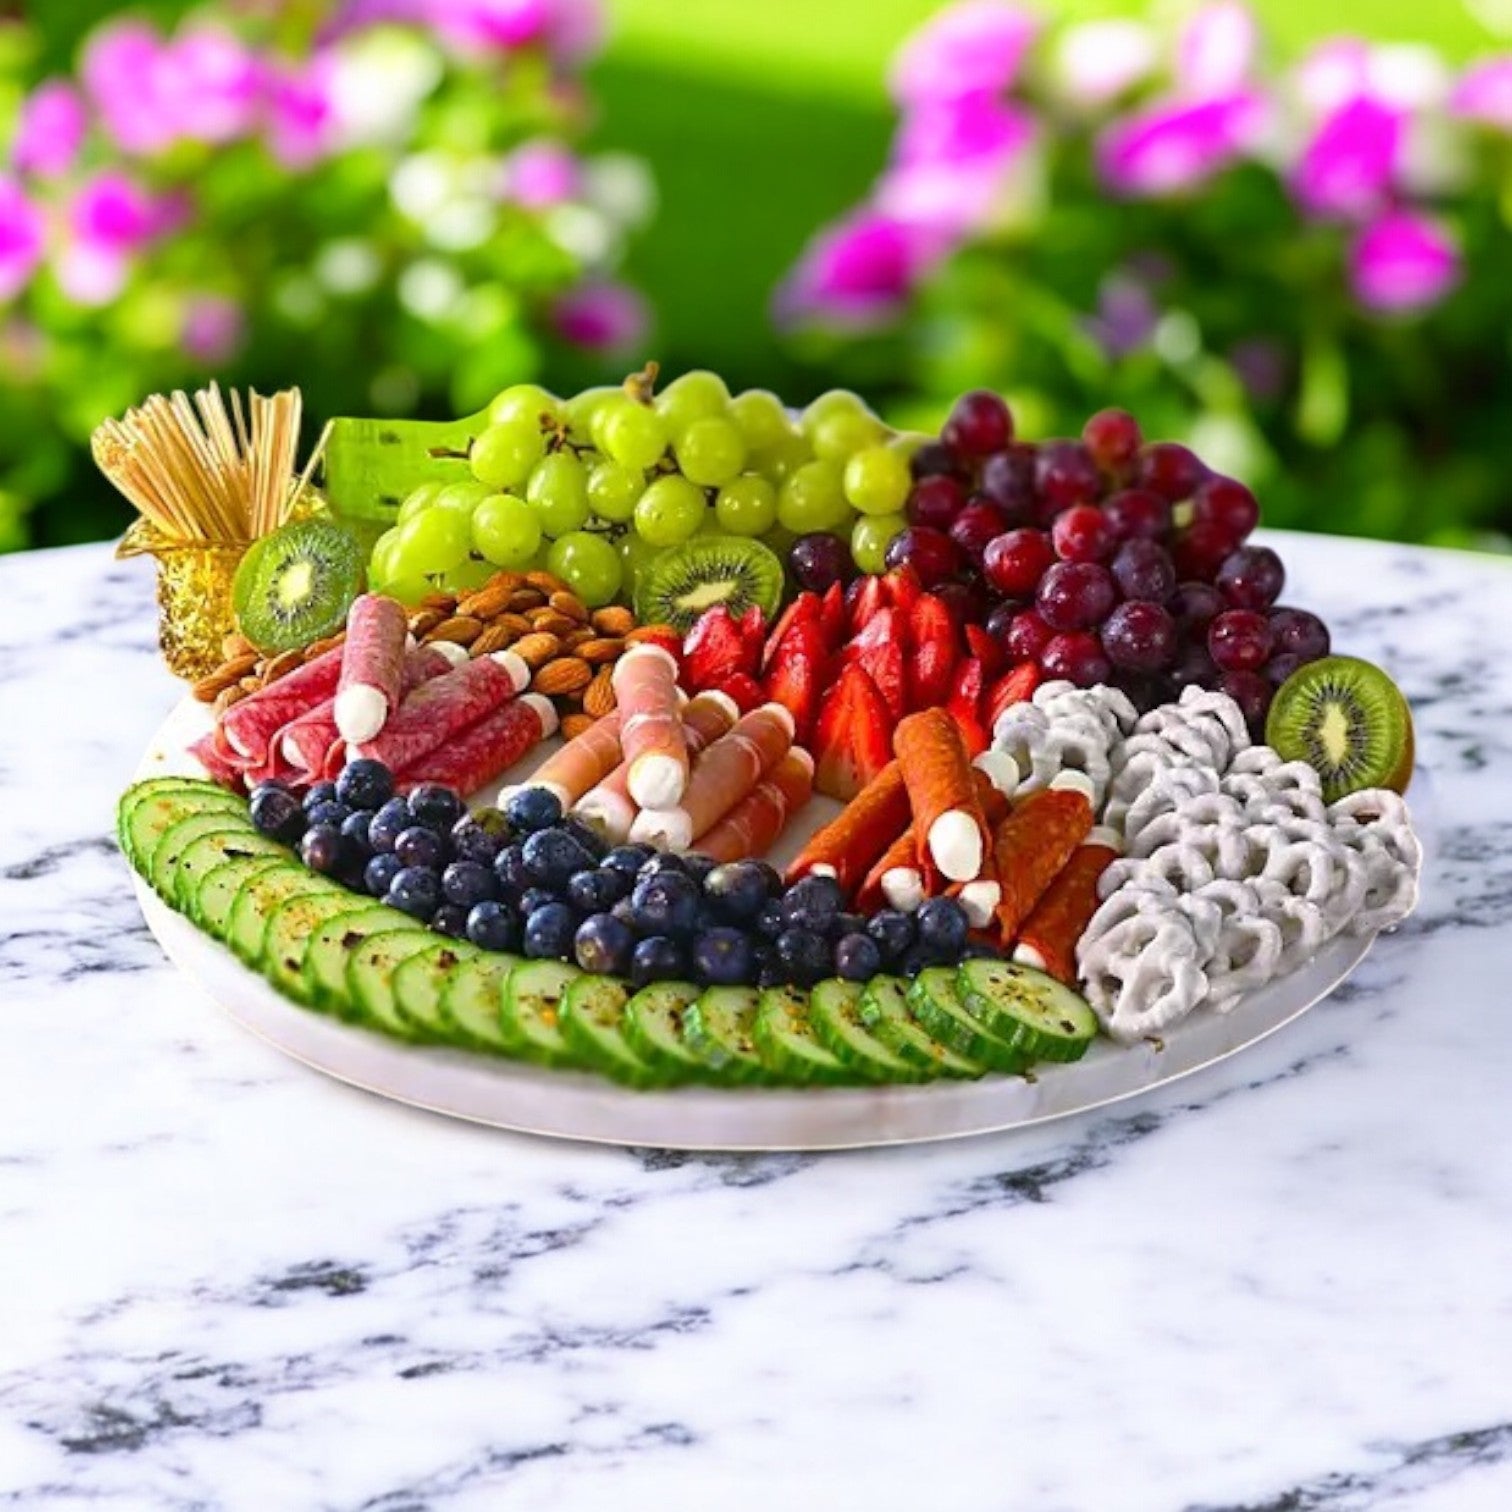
651, 726
750, 828
582, 763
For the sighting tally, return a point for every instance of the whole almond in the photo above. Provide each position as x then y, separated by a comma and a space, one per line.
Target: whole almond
423, 621
564, 675
576, 637
571, 605
613, 619
228, 696
209, 688
493, 638
526, 598
536, 649
282, 665
236, 644
651, 633
598, 696
552, 622
460, 630
446, 601
320, 647
488, 602
250, 684
515, 623
601, 649
574, 725
545, 582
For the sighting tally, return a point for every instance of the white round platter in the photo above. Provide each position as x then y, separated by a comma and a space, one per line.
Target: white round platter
570, 1105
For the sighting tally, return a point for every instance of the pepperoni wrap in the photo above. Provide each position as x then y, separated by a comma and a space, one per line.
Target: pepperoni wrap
750, 828
580, 765
896, 879
1034, 842
371, 684
1050, 934
485, 748
651, 726
947, 813
850, 844
251, 724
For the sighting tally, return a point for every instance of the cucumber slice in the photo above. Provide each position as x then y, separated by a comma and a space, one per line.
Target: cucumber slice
420, 983
290, 926
717, 1031
254, 905
147, 814
472, 1003
935, 1004
201, 857
163, 862
593, 1025
330, 946
786, 1042
1041, 1018
884, 1010
210, 907
654, 1028
835, 1013
370, 971
532, 1011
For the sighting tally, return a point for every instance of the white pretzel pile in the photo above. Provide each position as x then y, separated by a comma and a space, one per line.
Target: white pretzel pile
1064, 728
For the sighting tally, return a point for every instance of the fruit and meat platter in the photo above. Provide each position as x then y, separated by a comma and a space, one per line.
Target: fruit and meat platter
1048, 757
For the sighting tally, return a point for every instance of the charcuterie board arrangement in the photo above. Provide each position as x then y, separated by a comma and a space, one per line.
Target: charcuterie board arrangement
1048, 766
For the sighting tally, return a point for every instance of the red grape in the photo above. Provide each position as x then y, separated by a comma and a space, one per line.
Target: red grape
1081, 534
1195, 605
979, 424
966, 601
1001, 618
1253, 694
1280, 667
931, 554
1143, 570
1064, 474
980, 523
1075, 595
1139, 636
1112, 436
932, 459
1015, 562
1299, 633
1134, 513
1008, 480
820, 559
1228, 504
1200, 550
1076, 656
936, 501
1169, 469
1252, 577
1027, 637
1239, 640
1194, 666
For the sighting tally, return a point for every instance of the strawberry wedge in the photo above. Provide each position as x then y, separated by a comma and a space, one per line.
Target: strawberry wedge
853, 742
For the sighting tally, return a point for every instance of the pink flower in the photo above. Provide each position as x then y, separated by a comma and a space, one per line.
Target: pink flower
1333, 74
1216, 51
299, 113
50, 131
857, 272
1348, 167
602, 316
23, 238
1484, 93
974, 128
1097, 61
211, 85
120, 69
110, 220
541, 173
1403, 262
1174, 147
973, 47
213, 330
505, 24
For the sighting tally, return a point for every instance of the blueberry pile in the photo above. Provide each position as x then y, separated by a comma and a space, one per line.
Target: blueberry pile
529, 880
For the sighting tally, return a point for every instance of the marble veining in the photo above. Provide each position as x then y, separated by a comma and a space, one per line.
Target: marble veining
1281, 1285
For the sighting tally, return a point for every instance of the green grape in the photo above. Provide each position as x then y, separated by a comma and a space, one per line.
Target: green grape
463, 496
434, 541
869, 538
506, 531
877, 480
383, 565
670, 510
467, 577
710, 452
524, 401
631, 433
780, 461
503, 455
812, 498
697, 395
408, 590
558, 492
747, 505
635, 554
422, 498
613, 489
838, 436
761, 418
581, 408
831, 402
906, 443
588, 564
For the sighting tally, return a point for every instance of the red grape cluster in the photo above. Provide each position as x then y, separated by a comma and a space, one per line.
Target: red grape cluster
1105, 559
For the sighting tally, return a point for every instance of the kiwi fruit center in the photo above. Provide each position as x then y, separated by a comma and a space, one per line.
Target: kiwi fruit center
677, 586
296, 584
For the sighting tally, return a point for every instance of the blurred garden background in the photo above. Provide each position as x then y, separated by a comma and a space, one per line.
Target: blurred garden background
1279, 232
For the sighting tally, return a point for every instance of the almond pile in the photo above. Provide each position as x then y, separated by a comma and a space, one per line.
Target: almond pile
570, 649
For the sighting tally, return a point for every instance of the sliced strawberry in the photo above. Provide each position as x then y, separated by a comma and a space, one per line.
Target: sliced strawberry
753, 629
804, 607
745, 690
1014, 686
965, 704
853, 742
880, 649
986, 650
903, 587
715, 650
864, 598
795, 675
832, 616
934, 653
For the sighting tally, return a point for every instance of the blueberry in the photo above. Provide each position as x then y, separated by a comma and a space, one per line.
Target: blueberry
893, 931
586, 836
804, 955
378, 875
355, 827
474, 841
322, 849
980, 950
770, 972
845, 924
553, 858
509, 868
436, 807
319, 792
657, 958
603, 945
467, 882
738, 889
275, 812
416, 891
723, 957
389, 823
769, 920
330, 812
492, 926
666, 903
598, 890
812, 903
536, 897
549, 932
942, 926
450, 919
419, 846
365, 784
915, 959
857, 958
628, 859
625, 912
533, 808
697, 865
664, 861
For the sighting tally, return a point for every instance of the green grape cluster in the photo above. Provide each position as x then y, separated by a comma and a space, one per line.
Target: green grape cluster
591, 486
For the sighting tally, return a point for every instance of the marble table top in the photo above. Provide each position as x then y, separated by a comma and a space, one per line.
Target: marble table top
1284, 1284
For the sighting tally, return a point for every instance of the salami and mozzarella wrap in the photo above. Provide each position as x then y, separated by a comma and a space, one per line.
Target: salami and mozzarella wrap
1035, 841
221, 765
750, 828
473, 758
251, 724
372, 667
896, 879
942, 792
1050, 934
724, 773
580, 765
651, 726
849, 845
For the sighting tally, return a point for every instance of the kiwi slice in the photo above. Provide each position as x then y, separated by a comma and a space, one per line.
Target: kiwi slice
676, 586
1348, 721
296, 585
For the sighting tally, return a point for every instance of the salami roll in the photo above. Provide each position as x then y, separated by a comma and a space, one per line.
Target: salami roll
474, 757
651, 726
849, 846
220, 765
371, 683
942, 792
725, 772
1050, 934
896, 879
582, 763
444, 707
1034, 842
251, 724
750, 828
